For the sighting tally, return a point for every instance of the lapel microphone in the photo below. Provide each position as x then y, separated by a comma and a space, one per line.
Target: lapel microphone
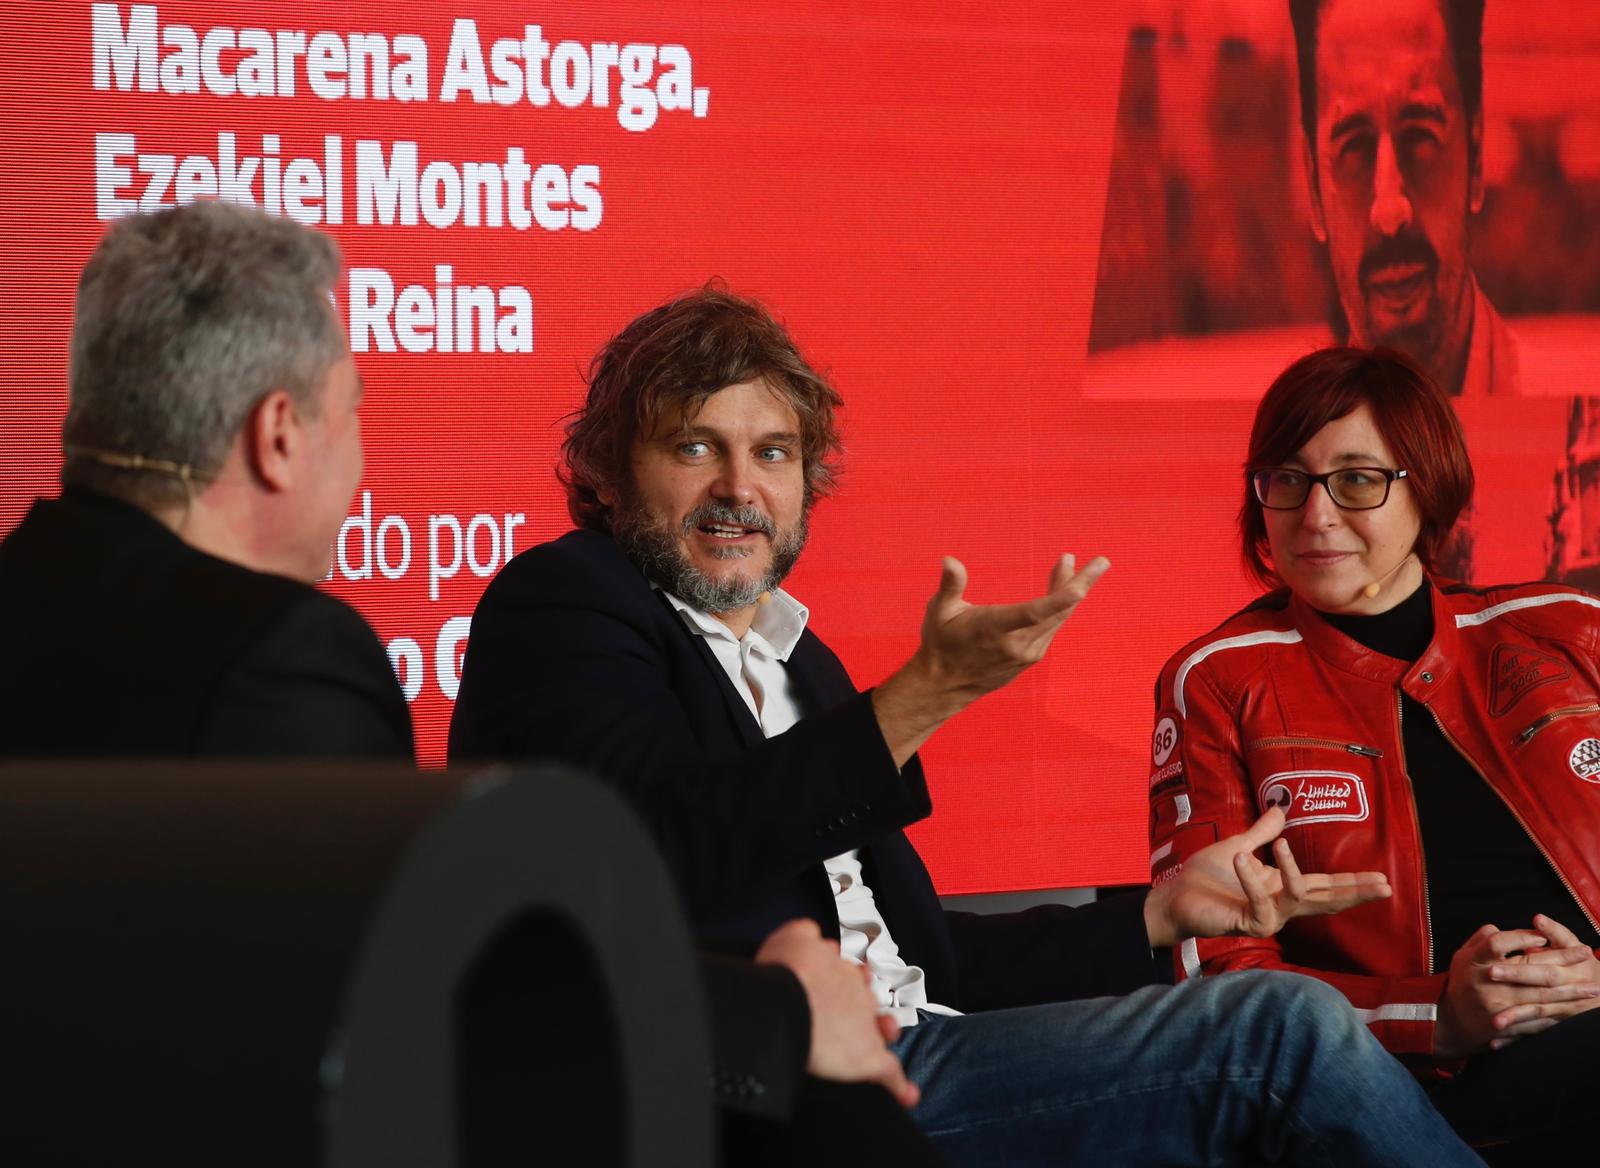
1376, 586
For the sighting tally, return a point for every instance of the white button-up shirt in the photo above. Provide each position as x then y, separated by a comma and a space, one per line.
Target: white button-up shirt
755, 665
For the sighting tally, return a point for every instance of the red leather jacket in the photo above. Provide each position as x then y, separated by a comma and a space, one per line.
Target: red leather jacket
1278, 707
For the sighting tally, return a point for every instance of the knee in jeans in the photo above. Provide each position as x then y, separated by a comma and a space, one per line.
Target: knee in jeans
1295, 1002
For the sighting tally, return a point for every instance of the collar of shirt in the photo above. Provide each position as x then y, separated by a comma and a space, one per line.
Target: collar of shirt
774, 632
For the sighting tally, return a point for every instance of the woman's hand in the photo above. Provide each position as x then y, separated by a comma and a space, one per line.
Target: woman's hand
1506, 984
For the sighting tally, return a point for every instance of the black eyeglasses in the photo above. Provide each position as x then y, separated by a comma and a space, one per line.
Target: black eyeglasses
1354, 488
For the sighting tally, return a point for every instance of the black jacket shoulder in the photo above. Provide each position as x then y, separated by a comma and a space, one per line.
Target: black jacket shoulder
127, 641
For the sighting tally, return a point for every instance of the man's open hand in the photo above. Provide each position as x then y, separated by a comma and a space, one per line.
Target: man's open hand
1224, 890
969, 650
975, 649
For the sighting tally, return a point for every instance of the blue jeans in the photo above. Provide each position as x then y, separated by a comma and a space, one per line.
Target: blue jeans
1247, 1068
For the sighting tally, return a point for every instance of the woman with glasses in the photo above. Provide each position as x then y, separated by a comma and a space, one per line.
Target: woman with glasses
1446, 734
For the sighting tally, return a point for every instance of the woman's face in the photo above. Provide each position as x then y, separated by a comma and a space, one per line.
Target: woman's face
1331, 556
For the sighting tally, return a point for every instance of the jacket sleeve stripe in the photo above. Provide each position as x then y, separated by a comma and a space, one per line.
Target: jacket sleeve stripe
1466, 620
1399, 1012
1269, 637
1191, 958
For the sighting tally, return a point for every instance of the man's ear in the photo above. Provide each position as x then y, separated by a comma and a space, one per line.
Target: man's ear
1475, 166
608, 494
1308, 164
271, 438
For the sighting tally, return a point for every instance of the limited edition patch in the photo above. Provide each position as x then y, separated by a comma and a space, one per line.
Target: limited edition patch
1315, 796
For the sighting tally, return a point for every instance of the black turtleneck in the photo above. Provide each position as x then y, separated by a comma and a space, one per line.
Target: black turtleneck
1482, 867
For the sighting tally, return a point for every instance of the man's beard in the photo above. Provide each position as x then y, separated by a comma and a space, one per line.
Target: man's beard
1421, 338
658, 552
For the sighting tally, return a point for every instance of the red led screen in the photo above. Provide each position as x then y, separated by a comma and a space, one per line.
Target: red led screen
1050, 255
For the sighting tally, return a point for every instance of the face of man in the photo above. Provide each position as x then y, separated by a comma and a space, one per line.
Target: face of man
1394, 176
716, 511
333, 461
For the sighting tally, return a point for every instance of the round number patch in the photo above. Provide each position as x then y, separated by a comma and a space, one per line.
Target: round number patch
1166, 737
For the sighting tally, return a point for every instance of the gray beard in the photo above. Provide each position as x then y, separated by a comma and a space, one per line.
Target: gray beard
657, 552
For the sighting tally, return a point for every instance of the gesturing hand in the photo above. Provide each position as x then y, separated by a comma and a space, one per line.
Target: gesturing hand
968, 650
1506, 985
849, 1038
1223, 889
975, 649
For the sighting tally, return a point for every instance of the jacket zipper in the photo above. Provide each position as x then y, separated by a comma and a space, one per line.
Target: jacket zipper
1316, 744
1554, 716
1416, 818
1537, 842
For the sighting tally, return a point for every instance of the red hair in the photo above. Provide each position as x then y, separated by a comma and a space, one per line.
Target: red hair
1411, 413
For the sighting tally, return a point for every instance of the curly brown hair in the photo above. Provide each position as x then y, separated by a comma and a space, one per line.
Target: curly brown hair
673, 358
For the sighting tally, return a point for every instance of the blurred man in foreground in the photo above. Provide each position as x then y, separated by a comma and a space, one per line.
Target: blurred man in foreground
163, 604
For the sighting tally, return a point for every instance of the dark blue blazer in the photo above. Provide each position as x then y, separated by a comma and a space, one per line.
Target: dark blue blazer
574, 656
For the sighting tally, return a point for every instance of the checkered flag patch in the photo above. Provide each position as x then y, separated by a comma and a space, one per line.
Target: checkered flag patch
1585, 760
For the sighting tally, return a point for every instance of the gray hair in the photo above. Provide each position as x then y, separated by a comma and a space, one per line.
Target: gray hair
185, 320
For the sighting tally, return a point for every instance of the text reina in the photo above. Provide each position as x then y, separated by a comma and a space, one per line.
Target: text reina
253, 62
447, 318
